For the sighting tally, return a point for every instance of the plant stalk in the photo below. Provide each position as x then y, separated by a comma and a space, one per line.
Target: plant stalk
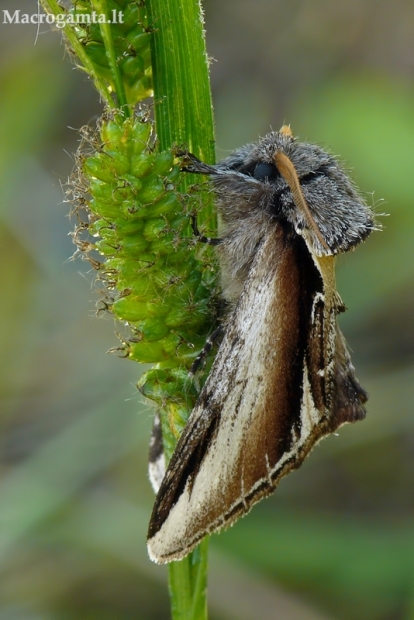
183, 114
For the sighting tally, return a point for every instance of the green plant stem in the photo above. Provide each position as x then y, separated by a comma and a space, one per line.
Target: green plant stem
183, 113
52, 7
188, 585
100, 6
183, 107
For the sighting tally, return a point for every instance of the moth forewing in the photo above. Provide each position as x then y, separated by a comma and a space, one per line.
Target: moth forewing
344, 395
206, 481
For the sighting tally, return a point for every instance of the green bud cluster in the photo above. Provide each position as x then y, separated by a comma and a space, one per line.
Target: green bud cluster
131, 40
138, 236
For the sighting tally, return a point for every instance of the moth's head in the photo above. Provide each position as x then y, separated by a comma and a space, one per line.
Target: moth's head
296, 182
257, 161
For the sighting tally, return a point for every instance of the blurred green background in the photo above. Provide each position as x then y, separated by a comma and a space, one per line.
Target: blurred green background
336, 541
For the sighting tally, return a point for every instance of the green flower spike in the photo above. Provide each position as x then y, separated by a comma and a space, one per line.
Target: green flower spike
156, 277
116, 54
130, 41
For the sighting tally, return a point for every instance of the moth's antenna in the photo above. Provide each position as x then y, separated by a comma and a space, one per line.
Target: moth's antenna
288, 172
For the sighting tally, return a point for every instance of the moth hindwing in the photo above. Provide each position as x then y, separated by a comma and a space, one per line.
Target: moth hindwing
282, 378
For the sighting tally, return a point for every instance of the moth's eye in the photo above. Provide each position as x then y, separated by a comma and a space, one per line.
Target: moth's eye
265, 171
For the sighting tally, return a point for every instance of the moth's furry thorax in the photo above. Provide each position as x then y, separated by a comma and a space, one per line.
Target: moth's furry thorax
253, 195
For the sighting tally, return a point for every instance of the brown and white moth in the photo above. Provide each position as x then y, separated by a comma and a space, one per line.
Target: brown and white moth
282, 378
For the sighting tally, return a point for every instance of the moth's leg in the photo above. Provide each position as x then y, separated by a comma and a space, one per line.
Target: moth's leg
156, 457
220, 329
206, 349
200, 237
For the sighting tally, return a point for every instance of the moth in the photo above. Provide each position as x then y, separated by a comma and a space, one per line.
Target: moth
282, 378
